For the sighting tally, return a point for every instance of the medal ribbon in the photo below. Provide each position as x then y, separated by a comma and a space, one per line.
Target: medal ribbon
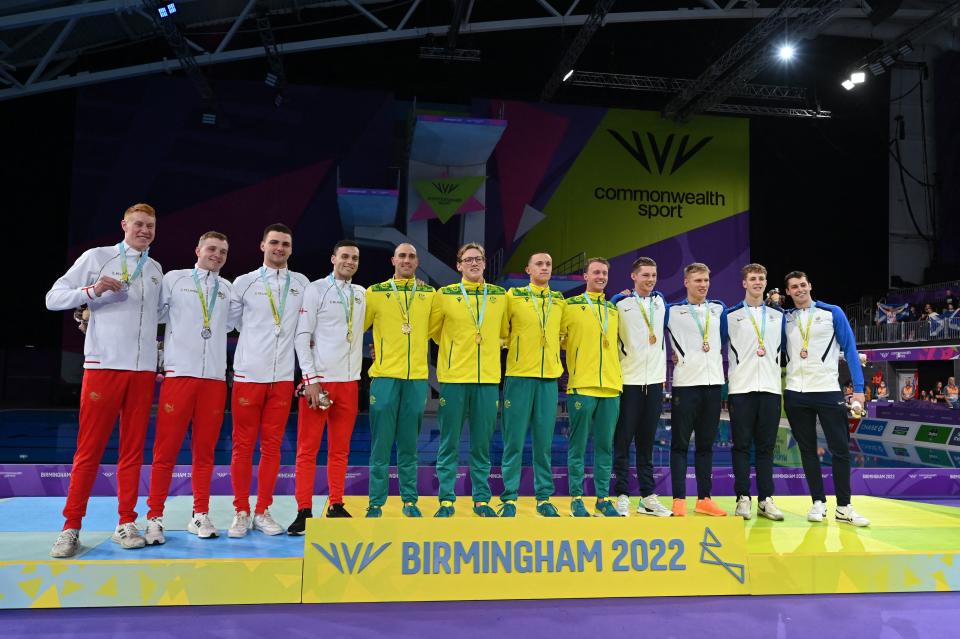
805, 334
606, 313
125, 277
347, 313
477, 320
545, 307
704, 330
762, 330
407, 301
647, 317
207, 306
277, 312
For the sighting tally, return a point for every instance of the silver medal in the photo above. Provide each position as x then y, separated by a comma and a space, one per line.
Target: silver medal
206, 333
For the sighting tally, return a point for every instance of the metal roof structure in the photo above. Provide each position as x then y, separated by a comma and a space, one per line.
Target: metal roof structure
49, 45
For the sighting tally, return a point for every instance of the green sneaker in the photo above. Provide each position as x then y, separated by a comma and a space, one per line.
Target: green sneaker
606, 508
481, 509
446, 509
410, 510
374, 512
546, 509
577, 509
508, 509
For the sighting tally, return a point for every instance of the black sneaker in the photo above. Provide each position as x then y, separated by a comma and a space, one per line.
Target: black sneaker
337, 510
299, 525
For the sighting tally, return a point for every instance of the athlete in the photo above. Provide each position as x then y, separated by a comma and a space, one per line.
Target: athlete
643, 359
196, 311
816, 333
264, 307
329, 346
399, 312
590, 328
531, 327
121, 286
465, 320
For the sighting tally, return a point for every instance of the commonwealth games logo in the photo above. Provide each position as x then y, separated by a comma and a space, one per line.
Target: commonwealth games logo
708, 555
660, 150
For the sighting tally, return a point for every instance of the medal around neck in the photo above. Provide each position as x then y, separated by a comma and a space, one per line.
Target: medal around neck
206, 333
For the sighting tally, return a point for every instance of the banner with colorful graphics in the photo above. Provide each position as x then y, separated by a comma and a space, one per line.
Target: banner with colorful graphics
445, 197
620, 183
399, 559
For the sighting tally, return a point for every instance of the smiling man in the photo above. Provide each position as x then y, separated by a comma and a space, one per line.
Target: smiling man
265, 308
121, 286
399, 312
695, 327
330, 351
816, 333
589, 331
196, 311
465, 320
531, 327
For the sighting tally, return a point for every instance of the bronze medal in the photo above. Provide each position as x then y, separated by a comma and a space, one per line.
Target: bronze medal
803, 353
405, 328
706, 347
652, 339
761, 351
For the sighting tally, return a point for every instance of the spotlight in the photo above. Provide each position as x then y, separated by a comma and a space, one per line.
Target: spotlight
888, 60
168, 10
847, 84
858, 77
567, 77
876, 68
785, 53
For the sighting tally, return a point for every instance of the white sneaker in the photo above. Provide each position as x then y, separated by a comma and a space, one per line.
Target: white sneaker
623, 505
650, 505
201, 526
744, 506
128, 536
848, 515
817, 512
67, 544
240, 525
768, 509
265, 524
154, 534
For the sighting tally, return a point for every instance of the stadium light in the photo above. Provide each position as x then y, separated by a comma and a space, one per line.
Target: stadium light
786, 52
858, 77
567, 77
847, 84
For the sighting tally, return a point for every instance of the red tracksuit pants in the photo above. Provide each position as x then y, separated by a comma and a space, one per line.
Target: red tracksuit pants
103, 395
186, 400
341, 417
259, 410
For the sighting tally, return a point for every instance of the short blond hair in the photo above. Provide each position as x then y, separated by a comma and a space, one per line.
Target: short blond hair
470, 245
140, 207
591, 260
696, 267
753, 267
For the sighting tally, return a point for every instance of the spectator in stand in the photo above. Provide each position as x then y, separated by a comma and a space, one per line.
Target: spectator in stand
913, 314
950, 308
938, 394
848, 392
923, 396
883, 393
951, 393
950, 298
927, 312
908, 393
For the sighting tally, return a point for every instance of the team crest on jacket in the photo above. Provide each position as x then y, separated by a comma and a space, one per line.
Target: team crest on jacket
294, 291
221, 296
373, 400
578, 405
156, 282
506, 403
95, 396
243, 401
443, 402
168, 407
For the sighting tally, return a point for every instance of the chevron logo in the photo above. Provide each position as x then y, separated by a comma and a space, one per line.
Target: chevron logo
333, 555
709, 556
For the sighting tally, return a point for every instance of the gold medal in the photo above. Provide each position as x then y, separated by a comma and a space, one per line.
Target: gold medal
652, 339
405, 328
349, 336
706, 347
606, 343
478, 338
543, 341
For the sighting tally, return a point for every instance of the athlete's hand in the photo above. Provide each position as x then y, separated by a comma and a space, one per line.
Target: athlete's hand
311, 393
106, 283
673, 356
373, 352
859, 397
625, 291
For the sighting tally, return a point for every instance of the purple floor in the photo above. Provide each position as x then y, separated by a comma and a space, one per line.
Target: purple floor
882, 616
